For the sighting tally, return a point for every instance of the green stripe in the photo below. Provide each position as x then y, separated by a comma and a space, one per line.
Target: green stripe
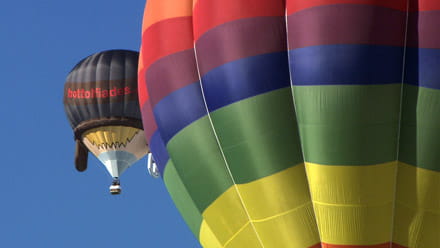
420, 132
182, 199
259, 135
348, 124
199, 162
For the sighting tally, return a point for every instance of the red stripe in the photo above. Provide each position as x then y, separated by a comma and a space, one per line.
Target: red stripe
416, 5
142, 89
209, 14
148, 121
422, 5
166, 37
295, 5
384, 245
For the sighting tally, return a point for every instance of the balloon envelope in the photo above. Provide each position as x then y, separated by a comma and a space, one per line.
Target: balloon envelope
298, 123
101, 103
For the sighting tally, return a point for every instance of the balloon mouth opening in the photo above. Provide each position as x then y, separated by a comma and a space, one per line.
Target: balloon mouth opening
84, 126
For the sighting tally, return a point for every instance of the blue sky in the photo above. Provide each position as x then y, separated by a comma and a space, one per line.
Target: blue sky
45, 202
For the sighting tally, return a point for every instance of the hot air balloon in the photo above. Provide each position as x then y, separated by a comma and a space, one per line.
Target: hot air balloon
298, 123
101, 104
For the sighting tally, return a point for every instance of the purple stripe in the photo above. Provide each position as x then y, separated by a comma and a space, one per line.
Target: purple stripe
240, 39
171, 73
346, 24
423, 29
148, 120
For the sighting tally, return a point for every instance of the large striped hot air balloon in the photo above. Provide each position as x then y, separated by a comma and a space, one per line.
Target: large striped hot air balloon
101, 103
297, 123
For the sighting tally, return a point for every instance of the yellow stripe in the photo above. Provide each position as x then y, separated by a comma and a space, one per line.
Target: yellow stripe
209, 239
280, 209
417, 217
109, 136
247, 238
116, 138
353, 204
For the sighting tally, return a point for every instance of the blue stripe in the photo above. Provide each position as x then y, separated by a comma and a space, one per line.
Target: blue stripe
422, 67
223, 85
178, 110
243, 78
159, 151
346, 65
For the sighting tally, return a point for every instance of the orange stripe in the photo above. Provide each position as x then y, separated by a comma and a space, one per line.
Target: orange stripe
194, 3
209, 14
295, 5
159, 10
385, 245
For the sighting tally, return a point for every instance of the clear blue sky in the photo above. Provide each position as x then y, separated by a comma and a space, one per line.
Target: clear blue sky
45, 203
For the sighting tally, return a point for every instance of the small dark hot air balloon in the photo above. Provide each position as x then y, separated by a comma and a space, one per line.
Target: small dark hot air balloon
101, 103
